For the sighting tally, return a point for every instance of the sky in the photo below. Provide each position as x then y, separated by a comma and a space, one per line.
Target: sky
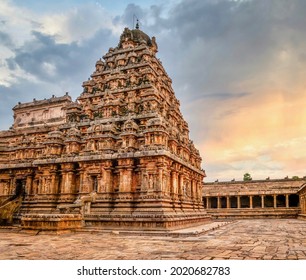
238, 68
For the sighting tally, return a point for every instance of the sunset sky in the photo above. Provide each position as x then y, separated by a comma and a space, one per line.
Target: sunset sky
238, 68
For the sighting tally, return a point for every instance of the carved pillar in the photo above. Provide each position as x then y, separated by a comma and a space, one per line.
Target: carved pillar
251, 201
218, 202
227, 202
262, 201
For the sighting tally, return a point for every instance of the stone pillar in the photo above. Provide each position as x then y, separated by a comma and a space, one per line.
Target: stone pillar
70, 182
208, 202
67, 178
174, 182
108, 177
160, 181
262, 201
11, 185
199, 191
125, 175
287, 200
64, 181
238, 202
53, 187
218, 202
228, 202
251, 201
82, 181
180, 185
29, 182
274, 201
192, 190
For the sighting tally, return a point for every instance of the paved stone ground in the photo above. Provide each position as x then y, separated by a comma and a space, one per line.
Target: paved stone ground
244, 239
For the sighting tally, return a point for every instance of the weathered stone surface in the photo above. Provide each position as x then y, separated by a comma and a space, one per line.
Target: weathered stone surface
277, 239
52, 222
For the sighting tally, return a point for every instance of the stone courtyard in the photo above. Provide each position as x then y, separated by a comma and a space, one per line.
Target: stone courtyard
264, 239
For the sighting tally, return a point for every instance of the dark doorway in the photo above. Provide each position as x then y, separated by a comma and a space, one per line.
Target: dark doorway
245, 201
256, 201
223, 202
19, 188
293, 200
213, 202
233, 202
269, 201
280, 201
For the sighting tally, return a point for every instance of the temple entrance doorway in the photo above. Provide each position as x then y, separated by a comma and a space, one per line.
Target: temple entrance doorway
19, 188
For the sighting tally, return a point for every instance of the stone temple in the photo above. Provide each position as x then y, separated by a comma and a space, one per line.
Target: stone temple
118, 157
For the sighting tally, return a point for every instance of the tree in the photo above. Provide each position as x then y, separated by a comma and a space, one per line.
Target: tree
247, 177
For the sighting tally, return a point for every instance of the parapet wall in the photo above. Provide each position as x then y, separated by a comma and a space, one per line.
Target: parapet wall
42, 112
253, 187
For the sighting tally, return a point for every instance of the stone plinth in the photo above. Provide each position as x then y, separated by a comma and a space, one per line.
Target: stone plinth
52, 222
255, 213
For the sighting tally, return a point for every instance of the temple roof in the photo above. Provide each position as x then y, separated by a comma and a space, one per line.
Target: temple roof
137, 36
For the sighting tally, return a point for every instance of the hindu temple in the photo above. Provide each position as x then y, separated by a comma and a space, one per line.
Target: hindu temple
119, 156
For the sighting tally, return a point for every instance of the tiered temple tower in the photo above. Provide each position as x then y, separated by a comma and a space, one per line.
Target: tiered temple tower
123, 140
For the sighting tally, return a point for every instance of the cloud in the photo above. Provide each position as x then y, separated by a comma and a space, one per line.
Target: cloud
238, 68
79, 23
35, 63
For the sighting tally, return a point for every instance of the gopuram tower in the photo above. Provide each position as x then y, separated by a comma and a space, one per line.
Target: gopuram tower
121, 152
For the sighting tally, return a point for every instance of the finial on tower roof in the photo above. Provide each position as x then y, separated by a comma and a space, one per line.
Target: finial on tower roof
137, 24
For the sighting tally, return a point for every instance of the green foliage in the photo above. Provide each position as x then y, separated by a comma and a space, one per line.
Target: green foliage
247, 177
295, 177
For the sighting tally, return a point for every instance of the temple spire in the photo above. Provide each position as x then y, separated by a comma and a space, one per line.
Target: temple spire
137, 24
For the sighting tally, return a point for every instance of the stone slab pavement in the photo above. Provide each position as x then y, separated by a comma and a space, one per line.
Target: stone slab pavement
265, 239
